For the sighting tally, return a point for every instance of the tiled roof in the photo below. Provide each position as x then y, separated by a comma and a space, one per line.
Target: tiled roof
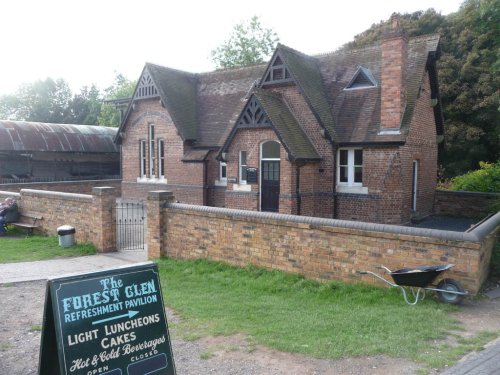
205, 106
306, 73
195, 155
221, 97
357, 112
178, 93
286, 126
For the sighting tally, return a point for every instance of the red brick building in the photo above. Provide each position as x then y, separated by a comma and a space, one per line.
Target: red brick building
352, 134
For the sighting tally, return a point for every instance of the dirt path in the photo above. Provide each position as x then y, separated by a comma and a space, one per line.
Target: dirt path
21, 310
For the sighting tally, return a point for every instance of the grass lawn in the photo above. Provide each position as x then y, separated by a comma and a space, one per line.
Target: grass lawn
290, 313
16, 248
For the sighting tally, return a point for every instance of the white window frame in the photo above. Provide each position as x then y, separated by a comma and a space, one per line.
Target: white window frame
414, 190
222, 166
142, 158
161, 159
241, 166
152, 153
350, 186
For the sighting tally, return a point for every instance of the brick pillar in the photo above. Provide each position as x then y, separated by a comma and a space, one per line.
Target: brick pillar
156, 237
103, 220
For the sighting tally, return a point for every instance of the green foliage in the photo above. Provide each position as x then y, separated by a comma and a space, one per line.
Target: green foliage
486, 179
290, 313
52, 101
249, 43
45, 101
468, 78
21, 249
85, 107
120, 89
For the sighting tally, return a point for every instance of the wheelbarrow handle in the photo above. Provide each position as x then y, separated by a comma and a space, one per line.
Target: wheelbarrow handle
381, 267
363, 272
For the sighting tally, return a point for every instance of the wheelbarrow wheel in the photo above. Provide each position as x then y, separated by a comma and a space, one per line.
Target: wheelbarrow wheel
452, 286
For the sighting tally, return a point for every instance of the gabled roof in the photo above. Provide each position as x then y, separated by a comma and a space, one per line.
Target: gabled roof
282, 121
357, 112
306, 74
205, 106
23, 136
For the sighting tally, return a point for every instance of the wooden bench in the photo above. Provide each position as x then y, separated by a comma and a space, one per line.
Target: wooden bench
27, 221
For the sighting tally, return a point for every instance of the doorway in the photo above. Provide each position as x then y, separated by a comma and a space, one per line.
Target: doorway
270, 176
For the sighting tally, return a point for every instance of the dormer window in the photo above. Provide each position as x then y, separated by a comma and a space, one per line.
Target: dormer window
277, 73
362, 79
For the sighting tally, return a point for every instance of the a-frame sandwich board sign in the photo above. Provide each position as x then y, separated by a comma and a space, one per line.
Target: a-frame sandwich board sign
110, 322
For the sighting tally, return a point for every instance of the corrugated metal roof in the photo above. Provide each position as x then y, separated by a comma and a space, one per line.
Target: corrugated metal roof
39, 136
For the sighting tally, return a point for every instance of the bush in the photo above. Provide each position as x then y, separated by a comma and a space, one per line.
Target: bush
486, 179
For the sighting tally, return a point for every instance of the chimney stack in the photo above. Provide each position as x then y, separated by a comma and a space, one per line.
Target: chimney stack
393, 75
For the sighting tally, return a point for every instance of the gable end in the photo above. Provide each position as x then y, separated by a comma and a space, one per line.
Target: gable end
253, 116
277, 73
146, 87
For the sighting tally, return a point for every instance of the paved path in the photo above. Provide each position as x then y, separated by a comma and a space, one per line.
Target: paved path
44, 269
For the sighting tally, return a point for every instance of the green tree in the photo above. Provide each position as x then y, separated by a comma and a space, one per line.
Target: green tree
85, 107
122, 88
44, 101
249, 43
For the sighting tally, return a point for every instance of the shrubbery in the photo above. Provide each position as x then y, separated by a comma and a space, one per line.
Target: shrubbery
486, 179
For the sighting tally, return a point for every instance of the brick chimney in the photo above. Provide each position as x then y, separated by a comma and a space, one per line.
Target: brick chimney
393, 75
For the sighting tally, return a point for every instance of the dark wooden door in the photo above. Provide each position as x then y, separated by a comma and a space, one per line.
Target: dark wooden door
270, 186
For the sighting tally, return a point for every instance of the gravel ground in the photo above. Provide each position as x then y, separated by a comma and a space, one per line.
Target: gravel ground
21, 315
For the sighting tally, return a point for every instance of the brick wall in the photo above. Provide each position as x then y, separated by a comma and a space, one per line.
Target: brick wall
320, 248
78, 187
92, 216
185, 179
464, 203
421, 145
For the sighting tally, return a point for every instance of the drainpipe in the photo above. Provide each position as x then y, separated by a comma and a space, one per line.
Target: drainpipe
205, 182
297, 188
334, 182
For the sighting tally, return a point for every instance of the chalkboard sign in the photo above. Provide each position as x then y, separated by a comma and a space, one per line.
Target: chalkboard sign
109, 323
252, 175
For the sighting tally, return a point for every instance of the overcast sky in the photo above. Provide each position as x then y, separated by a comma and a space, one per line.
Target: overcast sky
87, 41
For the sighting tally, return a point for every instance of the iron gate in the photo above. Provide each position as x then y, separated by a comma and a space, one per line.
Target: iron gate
130, 225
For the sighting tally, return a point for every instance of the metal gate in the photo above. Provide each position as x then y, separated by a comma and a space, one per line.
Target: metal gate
130, 225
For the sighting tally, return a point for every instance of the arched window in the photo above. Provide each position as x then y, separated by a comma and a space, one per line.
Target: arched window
271, 150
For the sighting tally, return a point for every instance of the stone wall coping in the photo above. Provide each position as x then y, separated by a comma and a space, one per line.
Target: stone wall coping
57, 194
469, 193
476, 235
10, 194
62, 182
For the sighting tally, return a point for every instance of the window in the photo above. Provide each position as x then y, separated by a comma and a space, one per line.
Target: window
363, 78
222, 171
152, 155
350, 167
243, 167
161, 158
271, 150
142, 158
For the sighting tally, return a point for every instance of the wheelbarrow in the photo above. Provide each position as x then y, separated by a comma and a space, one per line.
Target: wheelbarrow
420, 279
